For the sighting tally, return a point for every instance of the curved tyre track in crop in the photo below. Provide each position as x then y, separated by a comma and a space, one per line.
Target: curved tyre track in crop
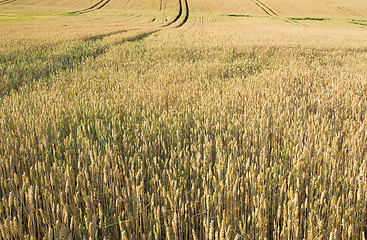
99, 46
184, 13
183, 10
177, 17
272, 13
265, 8
342, 9
7, 2
187, 14
95, 7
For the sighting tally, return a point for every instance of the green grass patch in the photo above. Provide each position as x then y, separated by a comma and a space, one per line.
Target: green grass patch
35, 66
358, 22
26, 17
238, 15
309, 19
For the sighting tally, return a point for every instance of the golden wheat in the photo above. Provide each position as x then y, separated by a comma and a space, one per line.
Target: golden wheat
228, 127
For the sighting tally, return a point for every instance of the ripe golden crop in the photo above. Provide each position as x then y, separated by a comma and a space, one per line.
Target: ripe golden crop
135, 121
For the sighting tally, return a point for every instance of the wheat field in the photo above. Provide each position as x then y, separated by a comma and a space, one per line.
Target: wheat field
191, 119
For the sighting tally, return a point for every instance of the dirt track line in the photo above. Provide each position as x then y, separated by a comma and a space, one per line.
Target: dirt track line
262, 8
95, 7
177, 17
292, 21
104, 4
347, 10
7, 2
85, 9
140, 36
270, 10
187, 14
102, 35
343, 9
265, 8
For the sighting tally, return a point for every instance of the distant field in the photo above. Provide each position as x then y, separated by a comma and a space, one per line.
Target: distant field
191, 119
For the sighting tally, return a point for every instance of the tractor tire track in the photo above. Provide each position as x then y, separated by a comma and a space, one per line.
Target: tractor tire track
342, 9
140, 36
7, 2
101, 48
187, 14
265, 8
346, 10
272, 13
86, 9
127, 5
183, 10
95, 7
103, 35
104, 4
177, 17
74, 61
